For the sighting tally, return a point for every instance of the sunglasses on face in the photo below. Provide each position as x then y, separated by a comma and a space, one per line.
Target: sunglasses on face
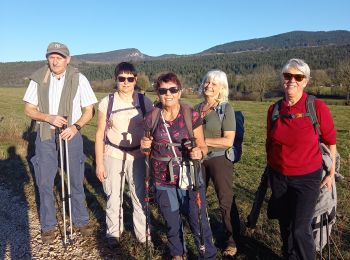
164, 91
129, 79
297, 77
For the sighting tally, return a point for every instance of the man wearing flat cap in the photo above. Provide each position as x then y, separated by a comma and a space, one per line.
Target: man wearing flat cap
54, 98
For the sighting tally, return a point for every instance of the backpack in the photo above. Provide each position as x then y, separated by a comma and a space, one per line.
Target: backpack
233, 153
109, 125
325, 210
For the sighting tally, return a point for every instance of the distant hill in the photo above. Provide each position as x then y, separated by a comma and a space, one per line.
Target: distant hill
288, 40
116, 56
322, 50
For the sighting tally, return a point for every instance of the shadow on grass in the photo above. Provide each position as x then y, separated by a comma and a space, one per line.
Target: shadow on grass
14, 207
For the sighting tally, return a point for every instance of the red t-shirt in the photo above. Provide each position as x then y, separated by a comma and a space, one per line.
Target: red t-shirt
292, 144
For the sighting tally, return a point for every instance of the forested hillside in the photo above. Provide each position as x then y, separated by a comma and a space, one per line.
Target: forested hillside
252, 74
288, 40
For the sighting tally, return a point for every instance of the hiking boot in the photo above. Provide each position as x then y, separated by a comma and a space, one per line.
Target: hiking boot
113, 242
86, 230
230, 251
48, 236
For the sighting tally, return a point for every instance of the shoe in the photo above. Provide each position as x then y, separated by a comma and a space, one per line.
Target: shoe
113, 242
86, 230
48, 236
230, 251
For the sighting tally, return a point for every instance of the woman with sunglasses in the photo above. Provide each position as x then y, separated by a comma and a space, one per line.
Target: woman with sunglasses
171, 150
218, 137
118, 156
295, 161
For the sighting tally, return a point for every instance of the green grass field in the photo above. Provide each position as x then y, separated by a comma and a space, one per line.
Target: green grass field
264, 243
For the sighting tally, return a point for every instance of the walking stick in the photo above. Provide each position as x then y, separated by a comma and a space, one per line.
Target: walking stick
66, 157
63, 192
258, 200
198, 200
122, 173
147, 199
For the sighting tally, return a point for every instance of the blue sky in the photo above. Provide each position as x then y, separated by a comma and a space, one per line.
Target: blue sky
155, 27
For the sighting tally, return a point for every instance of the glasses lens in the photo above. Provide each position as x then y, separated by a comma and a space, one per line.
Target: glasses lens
297, 77
121, 79
163, 91
287, 76
173, 90
129, 79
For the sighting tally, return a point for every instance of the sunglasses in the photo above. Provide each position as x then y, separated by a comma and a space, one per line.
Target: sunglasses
164, 91
297, 77
122, 79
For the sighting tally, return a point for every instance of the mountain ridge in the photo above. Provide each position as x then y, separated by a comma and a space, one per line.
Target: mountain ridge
288, 40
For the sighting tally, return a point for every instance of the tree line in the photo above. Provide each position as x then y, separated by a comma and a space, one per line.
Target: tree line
252, 75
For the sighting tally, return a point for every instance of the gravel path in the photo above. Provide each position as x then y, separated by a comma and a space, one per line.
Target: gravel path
20, 235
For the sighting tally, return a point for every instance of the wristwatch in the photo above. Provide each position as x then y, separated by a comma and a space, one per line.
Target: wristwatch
78, 127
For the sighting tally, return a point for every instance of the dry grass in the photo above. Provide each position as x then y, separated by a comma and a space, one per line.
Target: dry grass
16, 140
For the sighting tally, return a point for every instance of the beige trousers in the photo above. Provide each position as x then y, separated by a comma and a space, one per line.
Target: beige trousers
134, 173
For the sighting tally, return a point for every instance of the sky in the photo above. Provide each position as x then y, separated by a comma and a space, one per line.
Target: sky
155, 27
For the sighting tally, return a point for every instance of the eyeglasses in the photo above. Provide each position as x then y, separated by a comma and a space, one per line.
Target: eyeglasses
122, 79
297, 77
164, 91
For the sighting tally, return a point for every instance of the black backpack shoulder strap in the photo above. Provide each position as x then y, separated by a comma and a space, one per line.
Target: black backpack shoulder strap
275, 112
108, 114
220, 110
311, 111
187, 112
142, 103
154, 118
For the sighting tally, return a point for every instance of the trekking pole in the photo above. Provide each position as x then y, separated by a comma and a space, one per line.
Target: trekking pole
258, 200
63, 192
321, 235
68, 190
328, 234
198, 200
122, 173
147, 199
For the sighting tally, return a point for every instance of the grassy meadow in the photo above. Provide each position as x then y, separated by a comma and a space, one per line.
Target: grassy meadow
16, 145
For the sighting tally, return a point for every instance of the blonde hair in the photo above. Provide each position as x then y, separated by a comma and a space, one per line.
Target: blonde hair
221, 79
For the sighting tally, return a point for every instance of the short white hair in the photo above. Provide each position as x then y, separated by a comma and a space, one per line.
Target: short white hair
297, 64
221, 79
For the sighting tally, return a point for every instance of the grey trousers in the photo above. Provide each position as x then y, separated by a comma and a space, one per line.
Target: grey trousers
46, 163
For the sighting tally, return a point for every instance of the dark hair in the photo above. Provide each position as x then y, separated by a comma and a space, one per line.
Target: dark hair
168, 77
125, 67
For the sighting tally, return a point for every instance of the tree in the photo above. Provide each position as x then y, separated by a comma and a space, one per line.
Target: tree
263, 79
143, 83
320, 78
343, 77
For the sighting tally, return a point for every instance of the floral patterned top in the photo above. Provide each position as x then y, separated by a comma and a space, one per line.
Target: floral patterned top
179, 134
